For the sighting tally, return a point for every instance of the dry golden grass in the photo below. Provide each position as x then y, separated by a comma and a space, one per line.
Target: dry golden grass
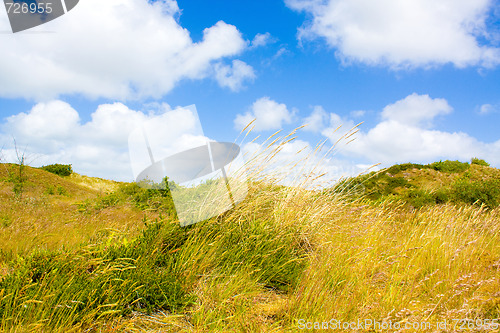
387, 262
383, 263
95, 183
39, 220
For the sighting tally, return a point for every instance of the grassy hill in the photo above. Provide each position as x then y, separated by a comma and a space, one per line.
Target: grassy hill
436, 183
410, 244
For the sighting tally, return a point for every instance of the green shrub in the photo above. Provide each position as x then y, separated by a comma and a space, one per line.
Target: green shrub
61, 190
157, 199
62, 170
441, 196
108, 200
394, 169
50, 190
419, 198
144, 199
449, 166
273, 254
485, 192
394, 182
478, 161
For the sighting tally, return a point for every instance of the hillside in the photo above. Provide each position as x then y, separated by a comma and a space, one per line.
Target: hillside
401, 245
53, 212
436, 183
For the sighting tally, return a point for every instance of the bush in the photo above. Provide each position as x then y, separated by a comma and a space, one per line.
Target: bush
449, 166
478, 161
441, 196
62, 170
485, 192
419, 198
50, 190
156, 199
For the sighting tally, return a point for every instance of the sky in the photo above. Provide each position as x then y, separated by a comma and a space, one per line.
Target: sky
421, 76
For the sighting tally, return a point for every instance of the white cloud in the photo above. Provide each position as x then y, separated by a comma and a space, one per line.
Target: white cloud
488, 109
393, 142
49, 121
405, 134
416, 110
233, 76
357, 113
54, 133
262, 40
117, 49
316, 120
268, 115
413, 33
280, 53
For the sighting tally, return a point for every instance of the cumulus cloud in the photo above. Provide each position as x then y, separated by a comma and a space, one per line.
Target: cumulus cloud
117, 49
262, 40
268, 115
401, 34
99, 147
316, 120
405, 134
234, 76
416, 110
488, 109
47, 121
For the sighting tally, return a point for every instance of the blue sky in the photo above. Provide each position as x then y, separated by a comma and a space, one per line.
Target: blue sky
423, 77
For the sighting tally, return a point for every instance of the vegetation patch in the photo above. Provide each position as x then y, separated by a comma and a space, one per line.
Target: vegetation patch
69, 288
63, 170
449, 166
478, 161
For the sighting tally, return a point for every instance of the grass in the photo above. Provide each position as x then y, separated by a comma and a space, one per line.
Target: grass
109, 257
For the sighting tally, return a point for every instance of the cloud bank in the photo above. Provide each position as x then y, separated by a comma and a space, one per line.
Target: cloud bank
406, 133
53, 132
87, 54
403, 34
